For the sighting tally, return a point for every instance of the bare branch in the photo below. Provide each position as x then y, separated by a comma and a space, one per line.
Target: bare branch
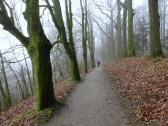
9, 26
57, 42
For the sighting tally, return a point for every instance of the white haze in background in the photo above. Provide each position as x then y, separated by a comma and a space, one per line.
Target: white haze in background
7, 40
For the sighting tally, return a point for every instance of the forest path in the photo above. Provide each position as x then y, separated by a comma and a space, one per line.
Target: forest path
93, 103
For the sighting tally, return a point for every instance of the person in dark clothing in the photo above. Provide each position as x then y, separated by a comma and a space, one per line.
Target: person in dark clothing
98, 63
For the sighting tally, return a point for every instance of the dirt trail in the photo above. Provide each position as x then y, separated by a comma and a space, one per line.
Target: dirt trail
93, 103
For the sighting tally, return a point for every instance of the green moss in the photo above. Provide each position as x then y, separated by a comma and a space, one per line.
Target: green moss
33, 116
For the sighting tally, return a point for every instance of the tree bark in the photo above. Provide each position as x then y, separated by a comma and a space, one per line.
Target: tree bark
7, 91
119, 37
38, 47
57, 19
44, 91
28, 74
91, 43
18, 82
3, 95
74, 68
131, 42
156, 49
39, 50
23, 80
84, 33
125, 29
112, 38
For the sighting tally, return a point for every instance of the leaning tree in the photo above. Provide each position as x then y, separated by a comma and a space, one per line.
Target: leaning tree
65, 36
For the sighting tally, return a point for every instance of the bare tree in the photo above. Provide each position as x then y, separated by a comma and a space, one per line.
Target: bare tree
66, 40
7, 91
91, 42
84, 11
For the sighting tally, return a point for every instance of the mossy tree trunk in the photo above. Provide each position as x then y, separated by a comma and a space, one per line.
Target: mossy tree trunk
71, 51
131, 41
74, 67
44, 91
38, 47
155, 48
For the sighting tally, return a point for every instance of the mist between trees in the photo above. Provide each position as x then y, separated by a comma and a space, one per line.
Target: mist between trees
58, 42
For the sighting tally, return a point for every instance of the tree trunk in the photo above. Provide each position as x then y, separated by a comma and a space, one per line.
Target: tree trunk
125, 29
44, 90
119, 37
92, 60
75, 69
57, 18
155, 50
18, 82
7, 91
75, 75
84, 33
85, 57
91, 43
112, 38
3, 95
23, 80
28, 74
70, 49
38, 47
39, 50
131, 42
164, 19
86, 37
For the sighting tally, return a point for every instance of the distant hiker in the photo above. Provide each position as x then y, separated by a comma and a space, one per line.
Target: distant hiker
98, 63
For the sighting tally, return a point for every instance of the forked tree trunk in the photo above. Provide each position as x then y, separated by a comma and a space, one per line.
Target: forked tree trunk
39, 50
57, 18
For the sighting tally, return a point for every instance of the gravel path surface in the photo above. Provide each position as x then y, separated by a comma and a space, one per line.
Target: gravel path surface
93, 103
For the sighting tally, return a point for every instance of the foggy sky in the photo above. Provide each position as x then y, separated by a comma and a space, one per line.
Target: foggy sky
6, 40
